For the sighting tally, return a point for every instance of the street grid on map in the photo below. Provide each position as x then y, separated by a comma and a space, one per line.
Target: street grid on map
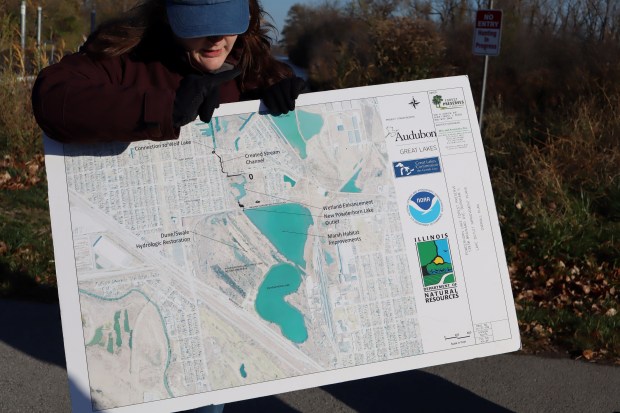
176, 244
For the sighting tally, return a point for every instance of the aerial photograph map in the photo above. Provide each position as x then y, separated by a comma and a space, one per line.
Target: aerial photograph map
253, 248
354, 236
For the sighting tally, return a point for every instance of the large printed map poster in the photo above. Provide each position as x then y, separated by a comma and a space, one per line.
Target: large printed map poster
255, 255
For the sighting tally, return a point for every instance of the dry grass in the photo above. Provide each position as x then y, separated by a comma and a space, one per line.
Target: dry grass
559, 203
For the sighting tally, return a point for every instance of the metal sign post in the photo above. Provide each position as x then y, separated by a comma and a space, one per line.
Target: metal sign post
23, 18
93, 18
487, 38
39, 22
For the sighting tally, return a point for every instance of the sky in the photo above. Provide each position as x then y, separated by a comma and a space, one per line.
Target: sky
278, 9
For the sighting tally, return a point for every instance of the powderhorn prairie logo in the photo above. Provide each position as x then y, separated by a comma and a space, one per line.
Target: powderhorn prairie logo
447, 103
424, 207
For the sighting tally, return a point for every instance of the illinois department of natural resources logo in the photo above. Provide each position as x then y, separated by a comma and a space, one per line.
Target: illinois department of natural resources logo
424, 207
437, 268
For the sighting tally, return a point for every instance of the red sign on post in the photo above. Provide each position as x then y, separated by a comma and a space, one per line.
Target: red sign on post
487, 32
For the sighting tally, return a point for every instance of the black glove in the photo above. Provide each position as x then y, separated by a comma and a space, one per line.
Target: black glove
280, 97
199, 95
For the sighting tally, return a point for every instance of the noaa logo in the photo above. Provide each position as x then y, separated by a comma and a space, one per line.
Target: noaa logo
424, 207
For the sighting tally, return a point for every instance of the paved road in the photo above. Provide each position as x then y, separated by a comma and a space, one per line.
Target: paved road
33, 379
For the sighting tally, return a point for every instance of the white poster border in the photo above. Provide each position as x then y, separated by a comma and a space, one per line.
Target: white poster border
69, 297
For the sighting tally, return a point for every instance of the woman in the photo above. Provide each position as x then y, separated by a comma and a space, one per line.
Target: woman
159, 67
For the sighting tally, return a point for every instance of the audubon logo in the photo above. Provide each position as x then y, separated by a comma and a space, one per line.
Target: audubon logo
400, 137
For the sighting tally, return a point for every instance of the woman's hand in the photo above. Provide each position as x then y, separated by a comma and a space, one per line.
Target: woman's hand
280, 97
199, 95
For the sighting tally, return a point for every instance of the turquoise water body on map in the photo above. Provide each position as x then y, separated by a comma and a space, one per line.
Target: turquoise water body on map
241, 188
97, 338
209, 132
286, 226
290, 181
117, 329
244, 374
280, 281
110, 344
214, 126
328, 258
221, 125
351, 186
245, 121
126, 323
310, 124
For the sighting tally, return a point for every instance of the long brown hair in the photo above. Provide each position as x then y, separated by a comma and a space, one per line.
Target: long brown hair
252, 49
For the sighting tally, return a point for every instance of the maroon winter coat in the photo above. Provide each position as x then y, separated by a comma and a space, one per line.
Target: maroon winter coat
82, 99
